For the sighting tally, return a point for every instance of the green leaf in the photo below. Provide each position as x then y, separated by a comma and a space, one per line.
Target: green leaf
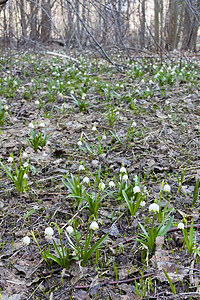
170, 282
195, 193
94, 248
163, 230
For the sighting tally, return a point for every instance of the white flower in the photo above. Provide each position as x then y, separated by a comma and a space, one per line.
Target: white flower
26, 240
25, 164
24, 154
86, 180
10, 159
154, 207
123, 170
49, 231
142, 203
180, 226
166, 188
31, 125
111, 184
125, 177
81, 168
37, 102
69, 229
134, 124
79, 143
94, 225
6, 107
102, 186
42, 125
25, 176
136, 189
103, 137
94, 128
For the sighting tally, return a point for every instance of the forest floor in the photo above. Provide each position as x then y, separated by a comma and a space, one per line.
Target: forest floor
89, 143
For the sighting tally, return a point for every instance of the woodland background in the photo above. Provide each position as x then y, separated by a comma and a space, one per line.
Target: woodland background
126, 24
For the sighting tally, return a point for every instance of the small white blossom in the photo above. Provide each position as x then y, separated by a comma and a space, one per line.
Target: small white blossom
180, 226
125, 177
79, 143
81, 168
94, 128
166, 188
26, 240
102, 186
49, 231
94, 225
136, 189
31, 125
25, 164
6, 107
25, 176
10, 159
123, 170
111, 184
69, 229
103, 137
41, 125
86, 180
142, 203
154, 207
37, 102
134, 124
24, 154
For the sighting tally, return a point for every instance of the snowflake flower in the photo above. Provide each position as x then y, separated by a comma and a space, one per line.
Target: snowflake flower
166, 188
111, 184
81, 168
49, 231
86, 180
123, 170
26, 240
154, 207
180, 225
142, 203
94, 225
10, 159
79, 143
136, 189
125, 177
69, 229
31, 125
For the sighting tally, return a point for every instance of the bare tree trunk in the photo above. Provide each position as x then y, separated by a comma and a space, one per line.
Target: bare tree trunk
46, 21
156, 22
33, 23
142, 24
23, 20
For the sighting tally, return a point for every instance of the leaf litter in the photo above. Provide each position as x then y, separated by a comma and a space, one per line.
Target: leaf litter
164, 143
